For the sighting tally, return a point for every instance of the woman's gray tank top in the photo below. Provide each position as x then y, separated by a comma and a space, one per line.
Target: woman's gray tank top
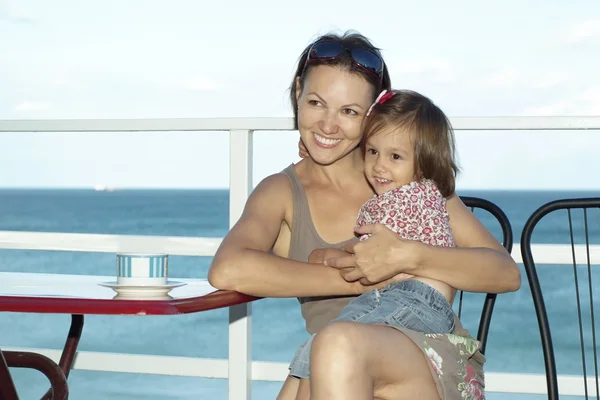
317, 311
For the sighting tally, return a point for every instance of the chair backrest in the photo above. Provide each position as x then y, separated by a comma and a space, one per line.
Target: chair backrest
507, 241
573, 230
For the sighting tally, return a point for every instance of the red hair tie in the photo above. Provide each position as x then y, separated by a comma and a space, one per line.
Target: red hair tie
382, 98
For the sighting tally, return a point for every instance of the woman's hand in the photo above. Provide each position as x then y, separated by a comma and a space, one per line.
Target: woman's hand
318, 256
302, 151
383, 256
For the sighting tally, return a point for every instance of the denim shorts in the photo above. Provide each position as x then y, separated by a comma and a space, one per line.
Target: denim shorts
408, 304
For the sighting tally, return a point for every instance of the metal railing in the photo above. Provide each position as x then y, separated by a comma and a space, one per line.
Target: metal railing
239, 369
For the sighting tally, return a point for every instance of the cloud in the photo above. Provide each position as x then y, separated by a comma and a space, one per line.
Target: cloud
503, 77
512, 76
548, 78
196, 83
433, 70
28, 106
63, 81
584, 103
584, 31
9, 12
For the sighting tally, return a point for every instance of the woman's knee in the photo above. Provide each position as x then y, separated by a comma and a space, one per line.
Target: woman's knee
379, 357
336, 362
336, 342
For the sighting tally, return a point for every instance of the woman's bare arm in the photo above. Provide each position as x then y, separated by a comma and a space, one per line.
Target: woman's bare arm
479, 263
245, 264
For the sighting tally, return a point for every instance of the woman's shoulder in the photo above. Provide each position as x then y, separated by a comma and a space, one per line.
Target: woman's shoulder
271, 199
275, 185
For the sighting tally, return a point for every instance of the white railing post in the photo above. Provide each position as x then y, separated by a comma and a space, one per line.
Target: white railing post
240, 317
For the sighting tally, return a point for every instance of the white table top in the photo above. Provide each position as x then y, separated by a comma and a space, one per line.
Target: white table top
82, 286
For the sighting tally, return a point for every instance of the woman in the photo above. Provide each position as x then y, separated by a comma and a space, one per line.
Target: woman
314, 204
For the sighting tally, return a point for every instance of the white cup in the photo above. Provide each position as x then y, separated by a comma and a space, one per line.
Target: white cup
134, 269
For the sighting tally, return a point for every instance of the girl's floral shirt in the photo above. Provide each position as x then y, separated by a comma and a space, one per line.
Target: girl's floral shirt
416, 211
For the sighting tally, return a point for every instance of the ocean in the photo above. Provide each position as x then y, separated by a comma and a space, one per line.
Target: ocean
513, 344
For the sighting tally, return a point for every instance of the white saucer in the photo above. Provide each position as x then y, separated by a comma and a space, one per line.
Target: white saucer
130, 291
142, 296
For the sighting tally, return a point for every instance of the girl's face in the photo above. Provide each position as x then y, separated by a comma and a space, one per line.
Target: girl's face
389, 159
331, 107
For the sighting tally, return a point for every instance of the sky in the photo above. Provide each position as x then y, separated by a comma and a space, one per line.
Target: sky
176, 58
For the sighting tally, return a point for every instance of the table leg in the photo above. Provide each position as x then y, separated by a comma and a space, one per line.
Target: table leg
69, 350
7, 386
68, 354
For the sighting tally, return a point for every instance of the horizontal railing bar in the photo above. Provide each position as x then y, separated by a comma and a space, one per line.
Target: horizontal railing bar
277, 124
495, 382
161, 365
527, 383
87, 242
560, 254
205, 246
147, 125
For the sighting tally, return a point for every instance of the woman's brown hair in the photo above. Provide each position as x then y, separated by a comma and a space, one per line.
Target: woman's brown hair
348, 39
431, 134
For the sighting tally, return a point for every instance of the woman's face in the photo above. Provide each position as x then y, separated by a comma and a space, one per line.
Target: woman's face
331, 106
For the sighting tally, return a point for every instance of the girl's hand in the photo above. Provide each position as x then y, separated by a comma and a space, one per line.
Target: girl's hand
383, 256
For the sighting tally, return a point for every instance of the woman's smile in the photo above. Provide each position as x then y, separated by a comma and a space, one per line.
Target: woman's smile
325, 142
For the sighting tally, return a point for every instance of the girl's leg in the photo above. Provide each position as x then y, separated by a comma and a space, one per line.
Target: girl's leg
358, 361
303, 390
289, 389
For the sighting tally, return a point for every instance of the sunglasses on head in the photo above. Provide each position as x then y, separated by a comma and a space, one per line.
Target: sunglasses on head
361, 56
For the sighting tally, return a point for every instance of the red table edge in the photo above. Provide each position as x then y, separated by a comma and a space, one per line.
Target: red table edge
77, 307
82, 306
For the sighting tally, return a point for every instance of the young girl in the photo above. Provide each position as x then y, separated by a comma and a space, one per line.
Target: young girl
408, 148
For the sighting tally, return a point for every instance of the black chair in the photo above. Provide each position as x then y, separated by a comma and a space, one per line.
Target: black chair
507, 241
571, 230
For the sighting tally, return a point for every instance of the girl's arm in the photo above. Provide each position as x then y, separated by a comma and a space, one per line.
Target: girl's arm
245, 264
479, 263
